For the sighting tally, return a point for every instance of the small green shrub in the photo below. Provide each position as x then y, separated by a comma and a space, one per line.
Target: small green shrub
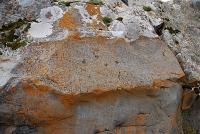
107, 20
13, 25
65, 3
8, 37
96, 2
147, 8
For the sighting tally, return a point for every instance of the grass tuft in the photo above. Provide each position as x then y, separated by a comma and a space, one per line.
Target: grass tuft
107, 20
65, 3
147, 8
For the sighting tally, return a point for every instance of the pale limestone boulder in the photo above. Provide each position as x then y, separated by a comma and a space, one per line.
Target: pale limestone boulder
94, 85
90, 82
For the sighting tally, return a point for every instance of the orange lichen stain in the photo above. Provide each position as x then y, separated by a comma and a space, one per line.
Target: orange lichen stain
140, 119
32, 89
126, 130
161, 83
188, 99
37, 106
101, 39
93, 9
120, 40
140, 130
129, 130
175, 120
99, 91
67, 21
74, 36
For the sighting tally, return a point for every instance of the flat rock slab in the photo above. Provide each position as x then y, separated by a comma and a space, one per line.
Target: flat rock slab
96, 63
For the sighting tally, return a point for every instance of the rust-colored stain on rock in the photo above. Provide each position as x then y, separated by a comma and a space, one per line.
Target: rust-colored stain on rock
74, 36
140, 119
93, 9
130, 130
188, 99
67, 21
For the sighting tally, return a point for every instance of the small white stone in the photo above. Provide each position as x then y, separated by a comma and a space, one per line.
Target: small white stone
26, 2
117, 28
40, 30
165, 0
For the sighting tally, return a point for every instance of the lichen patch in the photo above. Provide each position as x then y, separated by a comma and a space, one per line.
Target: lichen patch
93, 9
67, 21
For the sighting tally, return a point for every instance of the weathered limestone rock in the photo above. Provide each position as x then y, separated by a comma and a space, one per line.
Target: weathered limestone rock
93, 85
97, 77
13, 10
182, 22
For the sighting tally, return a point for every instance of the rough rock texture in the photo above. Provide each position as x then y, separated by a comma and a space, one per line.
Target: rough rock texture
90, 69
92, 85
191, 118
13, 10
182, 34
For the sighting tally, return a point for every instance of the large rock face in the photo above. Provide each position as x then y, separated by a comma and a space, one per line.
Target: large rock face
94, 85
85, 74
182, 34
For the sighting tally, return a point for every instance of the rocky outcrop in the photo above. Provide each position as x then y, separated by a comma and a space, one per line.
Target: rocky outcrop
91, 68
94, 85
182, 34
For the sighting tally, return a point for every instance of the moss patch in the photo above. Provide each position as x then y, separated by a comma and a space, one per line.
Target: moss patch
8, 37
13, 25
65, 3
147, 8
96, 2
107, 20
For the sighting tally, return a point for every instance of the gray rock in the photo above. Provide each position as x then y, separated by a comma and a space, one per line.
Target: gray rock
25, 130
182, 22
94, 85
196, 4
13, 10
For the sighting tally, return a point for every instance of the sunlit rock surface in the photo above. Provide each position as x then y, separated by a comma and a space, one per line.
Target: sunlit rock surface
94, 84
94, 69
